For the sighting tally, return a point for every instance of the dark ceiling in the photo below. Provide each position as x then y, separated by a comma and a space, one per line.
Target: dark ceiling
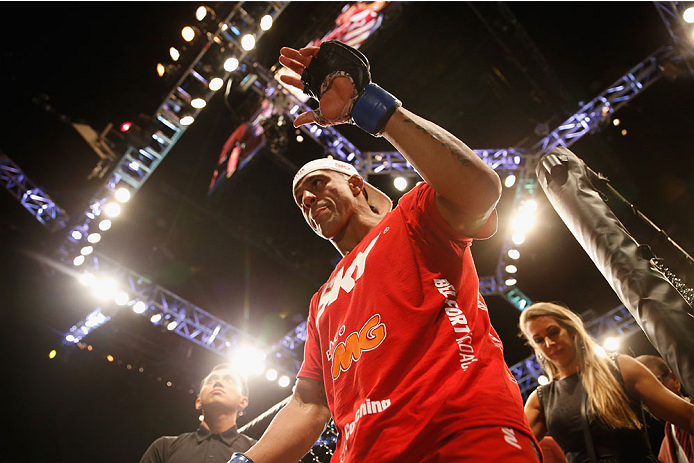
488, 72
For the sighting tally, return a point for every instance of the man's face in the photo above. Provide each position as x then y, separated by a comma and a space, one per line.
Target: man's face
221, 391
327, 200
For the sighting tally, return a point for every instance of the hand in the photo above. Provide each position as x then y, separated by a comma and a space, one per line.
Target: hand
335, 102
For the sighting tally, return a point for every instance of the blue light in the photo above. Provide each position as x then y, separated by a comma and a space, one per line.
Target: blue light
235, 30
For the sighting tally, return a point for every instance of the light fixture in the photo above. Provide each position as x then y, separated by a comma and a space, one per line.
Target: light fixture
104, 225
112, 209
510, 181
174, 53
77, 261
542, 380
299, 138
155, 318
615, 122
85, 251
109, 357
215, 84
522, 222
172, 325
200, 13
514, 254
188, 33
87, 279
123, 194
76, 234
266, 22
624, 132
248, 360
52, 354
94, 238
400, 183
688, 15
69, 338
139, 307
121, 298
187, 120
599, 351
511, 268
248, 42
518, 238
284, 381
161, 70
530, 206
105, 288
271, 374
231, 64
510, 281
611, 344
198, 103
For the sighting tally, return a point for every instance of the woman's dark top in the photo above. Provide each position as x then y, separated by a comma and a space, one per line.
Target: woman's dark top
561, 402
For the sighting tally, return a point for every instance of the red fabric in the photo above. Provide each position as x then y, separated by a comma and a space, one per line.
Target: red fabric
552, 451
416, 357
668, 449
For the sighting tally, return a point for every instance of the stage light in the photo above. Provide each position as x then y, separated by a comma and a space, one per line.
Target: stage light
161, 70
109, 357
169, 384
518, 238
615, 122
104, 225
112, 209
70, 338
510, 281
400, 183
542, 380
248, 360
511, 268
172, 325
510, 181
155, 318
198, 103
94, 238
187, 120
123, 194
611, 344
600, 351
174, 53
200, 13
188, 33
624, 132
77, 235
121, 298
105, 288
688, 15
125, 126
77, 261
215, 84
231, 64
299, 138
139, 307
514, 254
201, 417
522, 223
284, 381
530, 206
52, 354
266, 22
87, 279
85, 251
271, 374
248, 42
129, 367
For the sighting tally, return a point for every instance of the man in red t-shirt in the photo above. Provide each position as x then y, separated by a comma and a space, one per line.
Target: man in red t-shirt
400, 350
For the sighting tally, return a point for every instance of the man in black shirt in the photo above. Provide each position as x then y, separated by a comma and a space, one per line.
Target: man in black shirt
223, 396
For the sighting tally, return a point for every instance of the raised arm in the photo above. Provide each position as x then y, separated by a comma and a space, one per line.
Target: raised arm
296, 427
536, 417
662, 402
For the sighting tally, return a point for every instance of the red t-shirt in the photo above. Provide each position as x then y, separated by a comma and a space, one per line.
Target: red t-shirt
402, 340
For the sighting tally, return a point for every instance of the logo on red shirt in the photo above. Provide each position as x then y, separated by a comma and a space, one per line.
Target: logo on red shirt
369, 337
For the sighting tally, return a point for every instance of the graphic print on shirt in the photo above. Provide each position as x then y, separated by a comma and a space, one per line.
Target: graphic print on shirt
345, 280
459, 323
369, 337
369, 407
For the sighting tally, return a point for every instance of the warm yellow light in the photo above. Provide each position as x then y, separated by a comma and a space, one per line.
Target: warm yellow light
266, 22
174, 53
188, 33
299, 138
123, 194
109, 357
231, 64
624, 132
518, 238
215, 84
112, 209
542, 380
200, 13
400, 183
616, 122
284, 381
514, 254
688, 15
161, 70
198, 103
187, 120
511, 268
248, 42
52, 354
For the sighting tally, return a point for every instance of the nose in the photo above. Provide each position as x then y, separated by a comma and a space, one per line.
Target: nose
307, 198
549, 341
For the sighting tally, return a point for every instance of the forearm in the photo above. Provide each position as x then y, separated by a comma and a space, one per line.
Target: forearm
291, 433
452, 169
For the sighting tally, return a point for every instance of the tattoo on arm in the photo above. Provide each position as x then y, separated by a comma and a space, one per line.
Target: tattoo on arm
455, 151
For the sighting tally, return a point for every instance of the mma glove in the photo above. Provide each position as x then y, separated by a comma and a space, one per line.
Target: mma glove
370, 107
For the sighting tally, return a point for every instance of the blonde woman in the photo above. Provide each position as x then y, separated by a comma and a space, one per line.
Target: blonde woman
593, 404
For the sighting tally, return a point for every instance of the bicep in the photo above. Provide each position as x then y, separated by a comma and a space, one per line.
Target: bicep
535, 415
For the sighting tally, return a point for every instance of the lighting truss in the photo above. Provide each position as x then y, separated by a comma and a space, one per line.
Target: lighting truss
680, 31
34, 200
616, 322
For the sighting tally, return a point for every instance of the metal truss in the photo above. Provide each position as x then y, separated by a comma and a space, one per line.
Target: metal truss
34, 200
680, 31
617, 322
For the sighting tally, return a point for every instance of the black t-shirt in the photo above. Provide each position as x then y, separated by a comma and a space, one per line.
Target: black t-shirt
198, 447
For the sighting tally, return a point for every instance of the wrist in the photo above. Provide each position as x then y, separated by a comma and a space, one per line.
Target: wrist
239, 458
373, 109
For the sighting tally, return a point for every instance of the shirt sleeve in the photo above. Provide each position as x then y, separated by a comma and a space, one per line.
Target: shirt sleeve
312, 367
156, 451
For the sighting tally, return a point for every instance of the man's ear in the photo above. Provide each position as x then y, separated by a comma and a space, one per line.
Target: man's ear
243, 403
356, 184
198, 404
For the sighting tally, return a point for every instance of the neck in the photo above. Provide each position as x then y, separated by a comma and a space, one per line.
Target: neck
219, 423
357, 228
568, 370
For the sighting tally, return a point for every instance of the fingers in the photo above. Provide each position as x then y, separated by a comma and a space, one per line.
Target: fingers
294, 66
309, 51
308, 117
297, 56
293, 81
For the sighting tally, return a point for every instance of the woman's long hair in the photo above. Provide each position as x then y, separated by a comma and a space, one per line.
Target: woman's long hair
608, 400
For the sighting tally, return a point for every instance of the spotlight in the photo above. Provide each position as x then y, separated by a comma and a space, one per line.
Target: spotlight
94, 238
121, 298
77, 235
510, 281
77, 261
522, 223
187, 120
624, 132
109, 357
85, 251
139, 307
530, 206
69, 338
161, 70
284, 381
215, 84
400, 183
104, 225
688, 15
542, 380
248, 360
615, 122
174, 53
112, 209
172, 325
511, 268
200, 13
518, 238
155, 318
122, 194
600, 351
105, 288
248, 42
611, 344
514, 254
188, 33
231, 64
271, 374
125, 126
52, 354
198, 103
266, 22
87, 279
510, 181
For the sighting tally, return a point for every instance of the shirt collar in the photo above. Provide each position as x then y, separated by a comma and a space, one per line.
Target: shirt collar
228, 436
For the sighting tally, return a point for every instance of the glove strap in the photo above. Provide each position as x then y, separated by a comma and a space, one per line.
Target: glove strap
239, 458
373, 109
